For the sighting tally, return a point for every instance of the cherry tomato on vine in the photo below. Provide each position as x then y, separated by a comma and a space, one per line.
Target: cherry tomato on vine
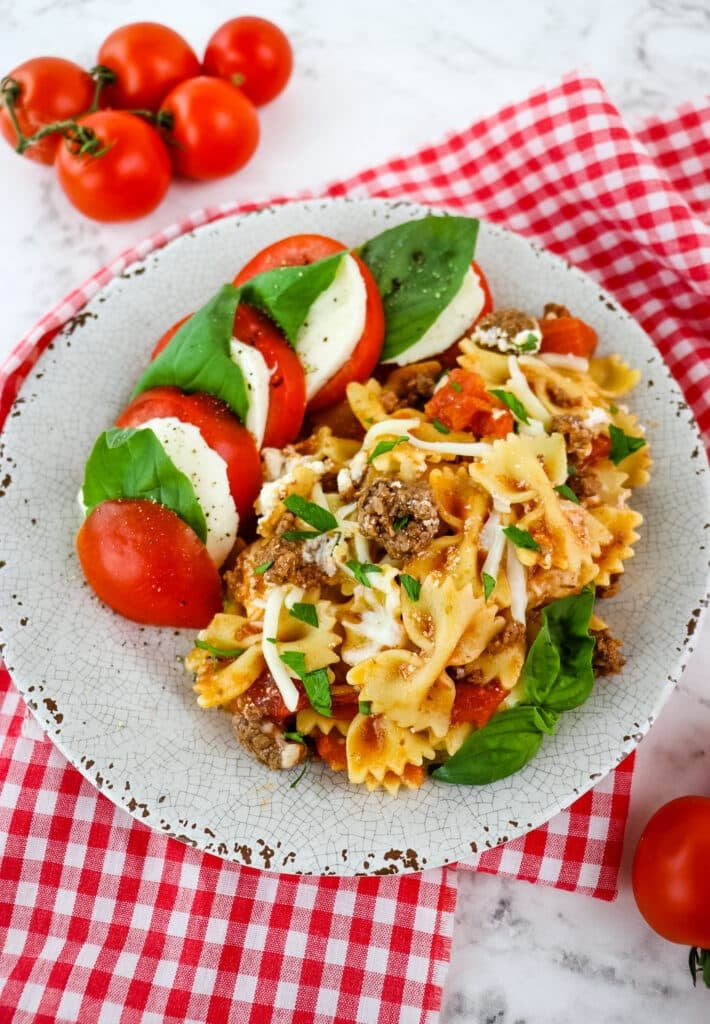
299, 250
42, 91
220, 429
143, 561
149, 60
215, 129
252, 53
126, 176
670, 871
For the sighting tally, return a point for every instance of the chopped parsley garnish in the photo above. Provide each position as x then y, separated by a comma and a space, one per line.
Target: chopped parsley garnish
219, 652
364, 707
411, 586
321, 519
316, 682
521, 538
531, 344
438, 425
361, 569
566, 492
263, 567
623, 445
295, 737
399, 524
301, 534
386, 446
489, 584
305, 612
514, 404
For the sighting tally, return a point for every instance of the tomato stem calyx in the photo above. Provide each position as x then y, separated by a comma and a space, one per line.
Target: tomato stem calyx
102, 76
699, 961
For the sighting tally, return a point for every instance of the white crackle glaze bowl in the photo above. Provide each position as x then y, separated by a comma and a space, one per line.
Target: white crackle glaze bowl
115, 696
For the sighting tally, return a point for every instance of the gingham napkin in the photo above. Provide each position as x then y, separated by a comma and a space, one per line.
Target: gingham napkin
102, 919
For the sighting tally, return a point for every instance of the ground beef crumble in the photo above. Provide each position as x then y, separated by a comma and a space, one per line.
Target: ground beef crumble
263, 737
607, 659
410, 386
578, 438
401, 516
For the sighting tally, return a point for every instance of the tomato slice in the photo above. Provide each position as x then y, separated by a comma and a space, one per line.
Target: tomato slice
143, 561
219, 427
300, 250
567, 335
485, 288
287, 381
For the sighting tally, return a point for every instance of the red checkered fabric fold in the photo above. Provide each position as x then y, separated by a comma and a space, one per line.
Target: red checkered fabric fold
102, 919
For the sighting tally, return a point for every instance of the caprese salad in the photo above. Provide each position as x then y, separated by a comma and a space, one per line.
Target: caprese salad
168, 492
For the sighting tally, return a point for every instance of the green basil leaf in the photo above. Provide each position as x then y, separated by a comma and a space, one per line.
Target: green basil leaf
566, 492
295, 535
500, 748
558, 673
514, 404
361, 569
418, 267
296, 661
305, 613
259, 569
315, 515
386, 446
317, 687
412, 587
364, 707
286, 294
132, 463
316, 682
521, 538
438, 425
295, 737
219, 652
197, 357
623, 445
401, 522
489, 585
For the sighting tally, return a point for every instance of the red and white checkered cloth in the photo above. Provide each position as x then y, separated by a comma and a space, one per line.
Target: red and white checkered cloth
102, 919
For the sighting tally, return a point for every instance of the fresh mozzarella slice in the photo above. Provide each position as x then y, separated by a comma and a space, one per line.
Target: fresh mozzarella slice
334, 325
207, 472
450, 325
256, 376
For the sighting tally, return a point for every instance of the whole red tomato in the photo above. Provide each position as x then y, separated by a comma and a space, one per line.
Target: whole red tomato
215, 129
671, 874
254, 54
125, 178
143, 561
148, 59
44, 90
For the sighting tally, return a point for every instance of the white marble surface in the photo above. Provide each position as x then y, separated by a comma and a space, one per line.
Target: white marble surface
373, 79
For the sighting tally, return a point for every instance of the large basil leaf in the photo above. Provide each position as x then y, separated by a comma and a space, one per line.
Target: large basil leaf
287, 293
558, 669
132, 463
500, 748
197, 357
418, 267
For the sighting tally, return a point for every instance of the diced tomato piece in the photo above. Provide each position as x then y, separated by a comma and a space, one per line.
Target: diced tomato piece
476, 702
265, 694
331, 749
568, 335
463, 403
601, 446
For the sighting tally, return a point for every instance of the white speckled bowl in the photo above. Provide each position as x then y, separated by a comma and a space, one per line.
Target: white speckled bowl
116, 698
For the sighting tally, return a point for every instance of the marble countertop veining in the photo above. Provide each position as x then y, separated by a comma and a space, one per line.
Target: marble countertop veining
373, 80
